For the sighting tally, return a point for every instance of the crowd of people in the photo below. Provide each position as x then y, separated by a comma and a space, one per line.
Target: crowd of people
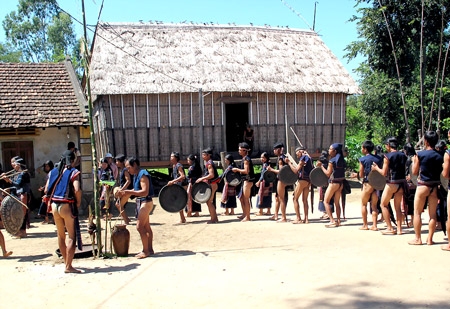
412, 180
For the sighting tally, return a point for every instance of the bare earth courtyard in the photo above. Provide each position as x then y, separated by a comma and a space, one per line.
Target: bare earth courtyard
255, 264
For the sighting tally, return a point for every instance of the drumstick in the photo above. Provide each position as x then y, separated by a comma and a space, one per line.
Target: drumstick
12, 196
298, 140
7, 175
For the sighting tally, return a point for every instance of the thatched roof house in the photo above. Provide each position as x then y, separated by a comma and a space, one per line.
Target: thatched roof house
147, 76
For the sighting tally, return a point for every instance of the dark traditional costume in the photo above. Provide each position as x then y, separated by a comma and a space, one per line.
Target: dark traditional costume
264, 199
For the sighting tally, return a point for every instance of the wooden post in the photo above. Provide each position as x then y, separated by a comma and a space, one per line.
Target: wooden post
94, 152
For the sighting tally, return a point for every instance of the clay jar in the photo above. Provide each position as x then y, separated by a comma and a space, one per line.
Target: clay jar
121, 239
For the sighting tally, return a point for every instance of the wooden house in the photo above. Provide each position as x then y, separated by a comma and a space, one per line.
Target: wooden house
42, 108
181, 87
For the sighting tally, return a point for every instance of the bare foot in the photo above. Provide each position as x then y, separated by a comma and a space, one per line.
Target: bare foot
373, 228
246, 220
232, 213
297, 222
141, 255
258, 214
306, 221
71, 270
399, 232
240, 217
445, 247
275, 218
415, 242
389, 232
281, 221
7, 253
196, 215
364, 228
212, 221
430, 242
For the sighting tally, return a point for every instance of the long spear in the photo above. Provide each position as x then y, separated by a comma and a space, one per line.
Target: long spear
398, 74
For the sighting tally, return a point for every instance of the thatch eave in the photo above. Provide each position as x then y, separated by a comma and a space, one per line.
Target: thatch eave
141, 58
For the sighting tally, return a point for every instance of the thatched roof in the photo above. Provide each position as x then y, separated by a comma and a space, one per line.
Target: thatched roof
162, 58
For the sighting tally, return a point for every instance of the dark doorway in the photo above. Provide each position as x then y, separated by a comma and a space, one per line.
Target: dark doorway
236, 120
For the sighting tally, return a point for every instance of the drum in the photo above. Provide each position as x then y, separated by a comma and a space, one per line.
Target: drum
318, 177
376, 180
287, 176
12, 214
233, 179
269, 176
173, 198
201, 192
444, 182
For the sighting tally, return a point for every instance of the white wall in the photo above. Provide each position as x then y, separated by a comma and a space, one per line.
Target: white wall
48, 144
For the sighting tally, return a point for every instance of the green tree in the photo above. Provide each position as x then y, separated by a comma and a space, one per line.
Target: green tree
41, 31
7, 54
386, 23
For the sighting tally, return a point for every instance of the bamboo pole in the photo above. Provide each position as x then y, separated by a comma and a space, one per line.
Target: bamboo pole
93, 149
405, 115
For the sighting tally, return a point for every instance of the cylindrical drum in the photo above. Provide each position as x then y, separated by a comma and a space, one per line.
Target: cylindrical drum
121, 239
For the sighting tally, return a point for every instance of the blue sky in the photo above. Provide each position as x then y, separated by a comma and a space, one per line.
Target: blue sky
331, 16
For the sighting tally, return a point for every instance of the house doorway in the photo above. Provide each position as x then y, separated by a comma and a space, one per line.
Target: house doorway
236, 120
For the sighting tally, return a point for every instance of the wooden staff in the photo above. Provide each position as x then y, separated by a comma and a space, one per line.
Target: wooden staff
296, 137
291, 159
12, 196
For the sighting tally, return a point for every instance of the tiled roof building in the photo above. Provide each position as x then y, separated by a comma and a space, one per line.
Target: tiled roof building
40, 95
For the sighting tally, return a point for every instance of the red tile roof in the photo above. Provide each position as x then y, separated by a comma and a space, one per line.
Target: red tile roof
40, 95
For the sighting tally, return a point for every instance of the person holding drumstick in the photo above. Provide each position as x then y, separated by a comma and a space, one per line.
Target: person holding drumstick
22, 187
194, 173
281, 194
336, 175
394, 165
125, 182
178, 177
428, 165
303, 184
211, 176
248, 175
143, 190
369, 194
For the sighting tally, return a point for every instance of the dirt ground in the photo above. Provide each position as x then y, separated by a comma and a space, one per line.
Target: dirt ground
255, 264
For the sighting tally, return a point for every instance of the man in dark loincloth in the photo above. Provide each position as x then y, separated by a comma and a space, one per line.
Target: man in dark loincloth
428, 165
63, 187
369, 194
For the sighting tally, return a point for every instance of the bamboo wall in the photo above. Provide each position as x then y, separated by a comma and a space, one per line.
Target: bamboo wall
152, 126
